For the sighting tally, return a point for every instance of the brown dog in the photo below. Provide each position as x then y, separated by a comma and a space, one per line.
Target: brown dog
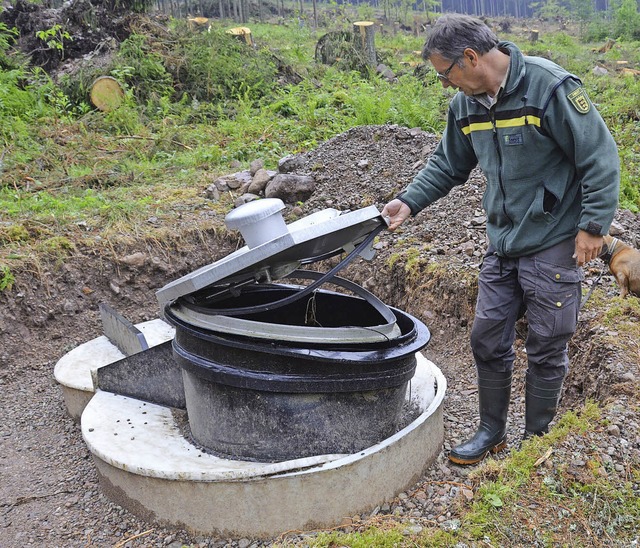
624, 264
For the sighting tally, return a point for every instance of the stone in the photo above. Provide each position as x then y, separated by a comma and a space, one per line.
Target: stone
616, 229
135, 260
412, 530
290, 188
384, 71
69, 307
290, 163
245, 199
613, 430
629, 377
236, 180
255, 166
467, 493
599, 71
221, 184
260, 180
468, 248
212, 193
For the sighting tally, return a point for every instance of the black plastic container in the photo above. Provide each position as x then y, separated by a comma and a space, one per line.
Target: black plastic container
271, 400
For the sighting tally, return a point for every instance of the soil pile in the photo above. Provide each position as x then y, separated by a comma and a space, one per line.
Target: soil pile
51, 37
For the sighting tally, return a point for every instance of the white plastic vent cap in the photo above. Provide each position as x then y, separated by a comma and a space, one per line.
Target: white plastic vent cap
259, 221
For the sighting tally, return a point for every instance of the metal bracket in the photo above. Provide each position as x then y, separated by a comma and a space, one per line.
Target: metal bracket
121, 332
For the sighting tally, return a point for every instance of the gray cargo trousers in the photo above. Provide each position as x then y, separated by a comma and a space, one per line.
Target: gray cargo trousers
546, 285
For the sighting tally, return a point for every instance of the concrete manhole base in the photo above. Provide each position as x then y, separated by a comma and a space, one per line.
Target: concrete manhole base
147, 466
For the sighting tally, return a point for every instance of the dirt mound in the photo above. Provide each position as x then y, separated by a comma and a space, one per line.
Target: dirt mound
50, 37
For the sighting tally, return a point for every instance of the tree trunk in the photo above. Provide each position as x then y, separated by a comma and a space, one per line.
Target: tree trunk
364, 38
315, 15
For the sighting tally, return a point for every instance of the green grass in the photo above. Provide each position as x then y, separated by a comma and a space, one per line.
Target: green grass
64, 163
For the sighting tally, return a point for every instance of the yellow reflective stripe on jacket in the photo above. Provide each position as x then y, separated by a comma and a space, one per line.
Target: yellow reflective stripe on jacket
511, 122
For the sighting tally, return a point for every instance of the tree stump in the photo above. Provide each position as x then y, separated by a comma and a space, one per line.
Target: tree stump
242, 33
333, 47
106, 93
534, 35
198, 23
609, 44
364, 40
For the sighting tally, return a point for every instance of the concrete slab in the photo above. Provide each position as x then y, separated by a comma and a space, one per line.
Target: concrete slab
148, 467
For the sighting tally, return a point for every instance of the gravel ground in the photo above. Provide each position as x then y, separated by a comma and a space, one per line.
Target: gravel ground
49, 491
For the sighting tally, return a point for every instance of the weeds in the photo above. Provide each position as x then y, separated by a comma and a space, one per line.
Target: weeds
6, 278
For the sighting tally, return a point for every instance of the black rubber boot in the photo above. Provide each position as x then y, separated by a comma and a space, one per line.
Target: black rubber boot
494, 393
541, 403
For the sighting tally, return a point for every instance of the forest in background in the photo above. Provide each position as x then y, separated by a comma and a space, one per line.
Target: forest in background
599, 13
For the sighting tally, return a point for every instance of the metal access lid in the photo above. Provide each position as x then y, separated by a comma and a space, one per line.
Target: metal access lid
306, 240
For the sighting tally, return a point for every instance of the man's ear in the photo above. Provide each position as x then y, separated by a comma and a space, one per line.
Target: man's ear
471, 55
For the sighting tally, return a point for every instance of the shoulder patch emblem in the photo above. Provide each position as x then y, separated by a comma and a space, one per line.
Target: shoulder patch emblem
580, 100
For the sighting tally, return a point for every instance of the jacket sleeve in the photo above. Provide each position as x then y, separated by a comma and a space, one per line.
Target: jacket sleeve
448, 166
577, 127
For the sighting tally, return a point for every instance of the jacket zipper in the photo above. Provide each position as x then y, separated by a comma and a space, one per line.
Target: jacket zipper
492, 116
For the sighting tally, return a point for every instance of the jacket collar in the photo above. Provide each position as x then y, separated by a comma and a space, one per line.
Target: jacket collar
516, 66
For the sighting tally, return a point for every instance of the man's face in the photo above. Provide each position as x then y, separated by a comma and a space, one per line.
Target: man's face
461, 74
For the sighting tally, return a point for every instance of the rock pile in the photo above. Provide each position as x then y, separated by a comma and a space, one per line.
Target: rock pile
257, 182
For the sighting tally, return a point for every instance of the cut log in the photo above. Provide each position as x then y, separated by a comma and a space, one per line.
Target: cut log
243, 34
630, 72
364, 40
106, 93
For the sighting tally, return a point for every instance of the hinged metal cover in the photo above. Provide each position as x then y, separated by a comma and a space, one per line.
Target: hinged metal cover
309, 239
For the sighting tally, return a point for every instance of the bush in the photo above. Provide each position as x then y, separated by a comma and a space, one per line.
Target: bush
215, 66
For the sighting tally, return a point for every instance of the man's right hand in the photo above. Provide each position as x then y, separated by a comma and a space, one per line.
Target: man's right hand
395, 213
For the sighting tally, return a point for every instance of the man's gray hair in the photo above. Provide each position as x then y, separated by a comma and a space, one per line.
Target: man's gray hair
453, 33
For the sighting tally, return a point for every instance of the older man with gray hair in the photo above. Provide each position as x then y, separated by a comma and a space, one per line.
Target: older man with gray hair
553, 175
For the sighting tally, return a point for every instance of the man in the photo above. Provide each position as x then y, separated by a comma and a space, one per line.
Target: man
553, 174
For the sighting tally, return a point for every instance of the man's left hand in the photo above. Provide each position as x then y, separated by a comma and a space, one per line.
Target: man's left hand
588, 247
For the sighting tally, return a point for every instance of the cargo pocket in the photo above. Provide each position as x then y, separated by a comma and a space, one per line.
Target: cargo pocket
557, 299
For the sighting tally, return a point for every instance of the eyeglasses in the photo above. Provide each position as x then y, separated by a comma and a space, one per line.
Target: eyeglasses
445, 74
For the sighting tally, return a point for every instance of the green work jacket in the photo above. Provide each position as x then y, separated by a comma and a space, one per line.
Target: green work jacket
551, 164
